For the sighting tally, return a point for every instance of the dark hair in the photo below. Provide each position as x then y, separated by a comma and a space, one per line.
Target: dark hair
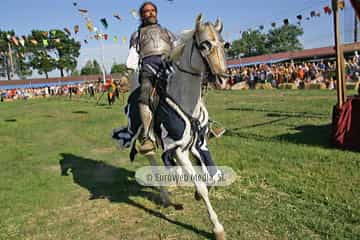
142, 8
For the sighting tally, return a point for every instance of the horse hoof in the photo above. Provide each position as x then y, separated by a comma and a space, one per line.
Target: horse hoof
197, 196
178, 207
220, 235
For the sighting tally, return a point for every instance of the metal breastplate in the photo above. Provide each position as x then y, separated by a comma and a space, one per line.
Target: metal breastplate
154, 40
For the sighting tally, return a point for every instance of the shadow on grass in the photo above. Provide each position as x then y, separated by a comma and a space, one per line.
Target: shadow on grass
80, 112
10, 120
276, 113
115, 184
313, 135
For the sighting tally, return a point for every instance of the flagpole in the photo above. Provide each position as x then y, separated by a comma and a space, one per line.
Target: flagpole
102, 57
11, 62
339, 56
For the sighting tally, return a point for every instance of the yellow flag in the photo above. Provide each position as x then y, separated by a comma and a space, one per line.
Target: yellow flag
124, 39
90, 26
33, 41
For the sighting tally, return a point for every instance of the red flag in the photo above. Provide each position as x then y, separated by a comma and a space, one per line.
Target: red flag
327, 10
356, 6
15, 41
106, 37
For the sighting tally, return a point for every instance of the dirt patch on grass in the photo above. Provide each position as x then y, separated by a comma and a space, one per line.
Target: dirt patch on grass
103, 150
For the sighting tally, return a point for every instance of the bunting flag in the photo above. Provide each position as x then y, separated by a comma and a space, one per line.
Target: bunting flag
286, 22
53, 33
67, 31
312, 14
299, 17
124, 39
317, 14
22, 42
134, 14
85, 41
105, 36
15, 41
24, 37
115, 38
76, 29
104, 23
45, 42
90, 26
33, 41
117, 16
82, 10
8, 36
261, 27
57, 40
273, 24
341, 5
75, 4
327, 10
97, 36
45, 34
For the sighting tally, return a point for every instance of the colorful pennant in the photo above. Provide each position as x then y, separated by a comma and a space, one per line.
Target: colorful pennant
104, 23
67, 31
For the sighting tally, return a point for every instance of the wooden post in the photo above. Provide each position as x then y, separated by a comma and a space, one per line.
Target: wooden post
339, 56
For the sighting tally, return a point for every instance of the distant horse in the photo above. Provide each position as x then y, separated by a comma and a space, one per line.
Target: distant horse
181, 119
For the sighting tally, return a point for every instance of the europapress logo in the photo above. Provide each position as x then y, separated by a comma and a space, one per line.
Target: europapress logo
178, 176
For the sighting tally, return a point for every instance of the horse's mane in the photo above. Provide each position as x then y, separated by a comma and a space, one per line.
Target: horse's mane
179, 44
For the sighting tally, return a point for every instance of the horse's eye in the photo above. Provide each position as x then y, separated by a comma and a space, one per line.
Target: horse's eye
205, 46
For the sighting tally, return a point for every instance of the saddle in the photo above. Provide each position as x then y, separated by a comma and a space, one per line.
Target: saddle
159, 81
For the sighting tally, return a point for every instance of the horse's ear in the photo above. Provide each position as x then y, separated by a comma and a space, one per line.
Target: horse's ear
176, 52
218, 25
199, 21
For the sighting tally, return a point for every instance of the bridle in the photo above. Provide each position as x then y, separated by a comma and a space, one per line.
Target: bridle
205, 76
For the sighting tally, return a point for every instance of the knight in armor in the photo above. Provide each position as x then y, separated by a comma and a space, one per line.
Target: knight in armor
153, 43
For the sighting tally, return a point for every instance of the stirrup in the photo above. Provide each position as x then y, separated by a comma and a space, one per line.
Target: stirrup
146, 146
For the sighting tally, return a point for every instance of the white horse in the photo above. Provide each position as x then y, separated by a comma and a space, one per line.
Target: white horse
198, 59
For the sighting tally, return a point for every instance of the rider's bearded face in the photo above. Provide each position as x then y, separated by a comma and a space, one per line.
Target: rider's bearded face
149, 14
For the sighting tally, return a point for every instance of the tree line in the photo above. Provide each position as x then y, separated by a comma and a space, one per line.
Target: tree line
255, 42
43, 51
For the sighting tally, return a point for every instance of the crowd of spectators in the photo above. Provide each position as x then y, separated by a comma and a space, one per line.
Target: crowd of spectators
87, 88
297, 73
275, 74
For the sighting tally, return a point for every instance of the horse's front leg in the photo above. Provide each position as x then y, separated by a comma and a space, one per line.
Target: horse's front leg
183, 157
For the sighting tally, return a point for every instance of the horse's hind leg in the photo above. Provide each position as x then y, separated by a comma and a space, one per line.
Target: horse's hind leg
164, 194
183, 157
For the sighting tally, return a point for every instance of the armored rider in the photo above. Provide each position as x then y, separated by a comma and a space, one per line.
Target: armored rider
152, 43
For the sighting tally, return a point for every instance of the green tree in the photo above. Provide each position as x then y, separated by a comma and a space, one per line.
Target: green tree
66, 50
91, 68
251, 43
75, 73
40, 52
284, 39
118, 68
13, 57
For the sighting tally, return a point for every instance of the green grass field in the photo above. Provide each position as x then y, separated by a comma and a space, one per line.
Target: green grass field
291, 183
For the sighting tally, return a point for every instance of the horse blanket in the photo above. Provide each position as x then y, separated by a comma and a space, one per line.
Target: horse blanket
172, 127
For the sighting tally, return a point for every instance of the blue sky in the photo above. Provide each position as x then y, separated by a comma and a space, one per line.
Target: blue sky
237, 15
